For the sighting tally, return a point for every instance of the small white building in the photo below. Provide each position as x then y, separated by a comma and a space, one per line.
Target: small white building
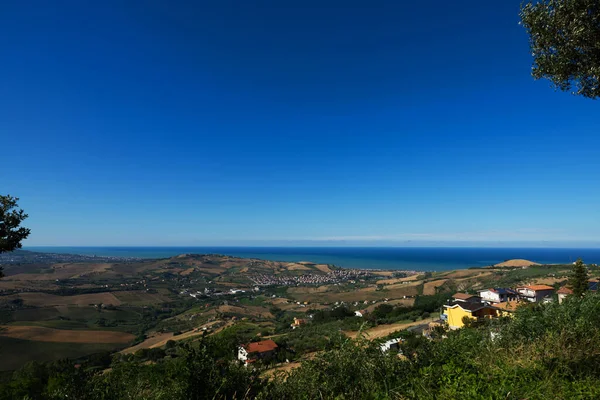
563, 293
242, 354
360, 313
392, 344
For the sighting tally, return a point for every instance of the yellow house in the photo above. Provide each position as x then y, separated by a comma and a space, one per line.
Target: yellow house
507, 309
455, 313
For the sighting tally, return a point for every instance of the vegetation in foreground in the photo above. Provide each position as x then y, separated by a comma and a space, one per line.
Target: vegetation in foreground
545, 351
11, 231
564, 43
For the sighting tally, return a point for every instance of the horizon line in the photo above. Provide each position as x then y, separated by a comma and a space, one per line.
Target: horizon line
547, 244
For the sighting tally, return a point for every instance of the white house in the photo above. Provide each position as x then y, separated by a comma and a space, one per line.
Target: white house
563, 293
498, 295
535, 293
242, 354
361, 313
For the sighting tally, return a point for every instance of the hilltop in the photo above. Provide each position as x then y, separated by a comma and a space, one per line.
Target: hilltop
518, 262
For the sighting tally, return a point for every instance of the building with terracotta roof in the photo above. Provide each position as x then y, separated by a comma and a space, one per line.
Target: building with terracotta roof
251, 352
507, 308
564, 291
471, 298
535, 293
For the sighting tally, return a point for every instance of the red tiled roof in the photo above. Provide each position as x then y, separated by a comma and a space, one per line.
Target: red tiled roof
564, 290
507, 305
468, 306
261, 347
539, 287
464, 296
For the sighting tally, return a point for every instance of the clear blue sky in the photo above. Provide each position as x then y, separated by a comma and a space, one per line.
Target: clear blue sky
265, 122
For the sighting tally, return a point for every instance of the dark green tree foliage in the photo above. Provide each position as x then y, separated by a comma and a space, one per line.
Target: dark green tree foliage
337, 313
196, 373
314, 337
383, 310
11, 231
578, 280
565, 42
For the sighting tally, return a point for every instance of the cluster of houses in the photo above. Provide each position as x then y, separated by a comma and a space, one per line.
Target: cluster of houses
335, 276
487, 303
498, 302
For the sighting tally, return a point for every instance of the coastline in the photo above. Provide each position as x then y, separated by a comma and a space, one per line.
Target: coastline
372, 258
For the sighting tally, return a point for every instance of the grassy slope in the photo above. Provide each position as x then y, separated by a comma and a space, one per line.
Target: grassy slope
14, 353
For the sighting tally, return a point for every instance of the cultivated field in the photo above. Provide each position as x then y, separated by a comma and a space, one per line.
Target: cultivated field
193, 333
156, 338
140, 297
14, 353
37, 299
297, 267
63, 271
309, 289
397, 291
323, 268
41, 334
429, 287
399, 302
187, 271
254, 311
397, 280
383, 330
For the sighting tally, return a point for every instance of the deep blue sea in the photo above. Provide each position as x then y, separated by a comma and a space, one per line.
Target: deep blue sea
403, 258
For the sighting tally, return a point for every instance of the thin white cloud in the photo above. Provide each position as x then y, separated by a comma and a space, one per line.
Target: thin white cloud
519, 234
